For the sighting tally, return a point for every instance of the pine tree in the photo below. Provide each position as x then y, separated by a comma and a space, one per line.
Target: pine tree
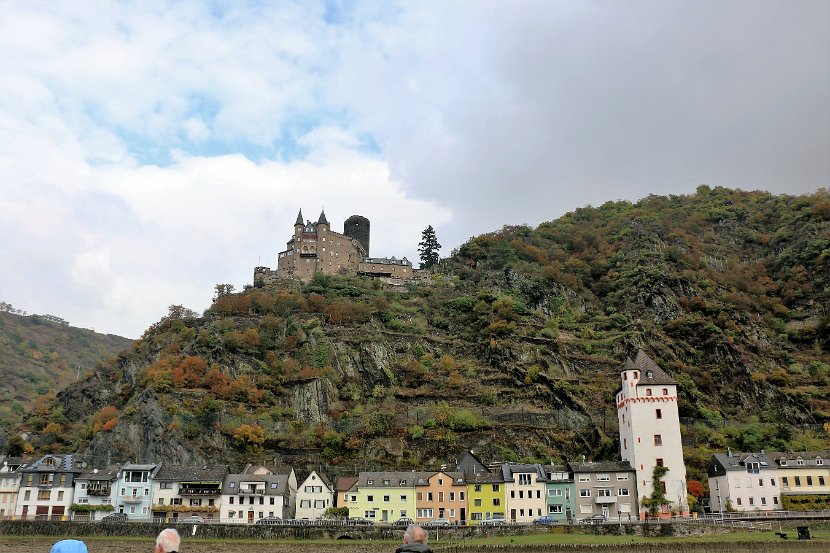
428, 248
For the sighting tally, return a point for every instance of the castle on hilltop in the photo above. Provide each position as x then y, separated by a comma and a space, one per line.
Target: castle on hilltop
315, 247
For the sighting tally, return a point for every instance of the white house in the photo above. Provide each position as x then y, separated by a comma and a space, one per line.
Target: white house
650, 431
94, 490
314, 496
47, 488
525, 492
744, 481
257, 493
9, 485
183, 490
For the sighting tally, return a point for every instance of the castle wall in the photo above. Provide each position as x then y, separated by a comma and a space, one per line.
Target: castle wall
323, 250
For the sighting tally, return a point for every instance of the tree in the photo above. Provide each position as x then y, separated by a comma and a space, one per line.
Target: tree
428, 248
223, 290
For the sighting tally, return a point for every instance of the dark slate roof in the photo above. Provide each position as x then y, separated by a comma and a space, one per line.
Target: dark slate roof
410, 479
509, 469
737, 462
322, 220
471, 464
137, 466
809, 458
325, 480
191, 473
299, 218
62, 463
557, 468
650, 373
108, 474
275, 484
12, 463
345, 483
485, 478
600, 466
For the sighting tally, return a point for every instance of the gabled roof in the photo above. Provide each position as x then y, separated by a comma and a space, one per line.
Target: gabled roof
191, 473
469, 463
509, 469
59, 463
485, 478
11, 464
346, 483
807, 458
737, 462
650, 373
322, 478
458, 478
108, 474
275, 484
409, 479
600, 466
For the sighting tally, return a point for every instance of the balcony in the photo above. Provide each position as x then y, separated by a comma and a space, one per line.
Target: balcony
252, 491
605, 499
132, 498
200, 491
99, 491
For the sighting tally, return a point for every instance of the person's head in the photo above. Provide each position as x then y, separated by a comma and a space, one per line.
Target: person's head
168, 540
414, 534
69, 546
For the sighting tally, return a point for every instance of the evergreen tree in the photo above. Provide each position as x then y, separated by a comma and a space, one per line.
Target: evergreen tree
428, 248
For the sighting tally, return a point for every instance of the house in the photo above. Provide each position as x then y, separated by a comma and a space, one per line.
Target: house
385, 496
344, 485
95, 493
9, 485
47, 487
485, 496
650, 438
802, 474
605, 488
441, 495
182, 490
255, 493
314, 496
134, 489
743, 482
525, 489
560, 492
470, 464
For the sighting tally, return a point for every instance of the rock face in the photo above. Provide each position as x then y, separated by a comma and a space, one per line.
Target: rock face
311, 401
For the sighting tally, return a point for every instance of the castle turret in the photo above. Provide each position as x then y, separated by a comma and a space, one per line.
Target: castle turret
357, 227
323, 221
650, 431
299, 222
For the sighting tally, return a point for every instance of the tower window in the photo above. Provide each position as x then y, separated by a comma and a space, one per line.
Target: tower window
658, 439
659, 462
658, 413
665, 391
648, 391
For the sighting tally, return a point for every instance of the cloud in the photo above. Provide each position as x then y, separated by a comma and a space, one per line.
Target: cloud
151, 150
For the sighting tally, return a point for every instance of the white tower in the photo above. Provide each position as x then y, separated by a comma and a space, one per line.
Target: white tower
650, 430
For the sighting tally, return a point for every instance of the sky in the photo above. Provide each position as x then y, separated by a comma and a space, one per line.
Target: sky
151, 150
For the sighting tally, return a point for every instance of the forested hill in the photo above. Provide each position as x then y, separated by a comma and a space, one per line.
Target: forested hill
514, 350
40, 355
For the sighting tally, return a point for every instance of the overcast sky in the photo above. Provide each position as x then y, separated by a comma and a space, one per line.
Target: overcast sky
151, 150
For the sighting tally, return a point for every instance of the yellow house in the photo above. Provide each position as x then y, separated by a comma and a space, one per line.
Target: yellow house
802, 474
384, 496
485, 496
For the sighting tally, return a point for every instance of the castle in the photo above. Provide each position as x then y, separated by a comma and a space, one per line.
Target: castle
315, 247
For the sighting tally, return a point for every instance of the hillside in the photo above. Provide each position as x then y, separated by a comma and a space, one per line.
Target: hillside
513, 351
40, 355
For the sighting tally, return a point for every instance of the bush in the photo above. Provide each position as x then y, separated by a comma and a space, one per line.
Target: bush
416, 432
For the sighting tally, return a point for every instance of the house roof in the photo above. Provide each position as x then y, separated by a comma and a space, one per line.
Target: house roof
60, 463
12, 464
346, 483
808, 458
322, 478
650, 373
600, 466
187, 473
136, 466
509, 469
275, 484
395, 479
738, 461
458, 478
109, 474
485, 478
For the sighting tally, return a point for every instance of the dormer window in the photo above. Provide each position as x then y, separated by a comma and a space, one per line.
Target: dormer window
819, 461
49, 461
783, 462
403, 482
800, 462
370, 482
649, 374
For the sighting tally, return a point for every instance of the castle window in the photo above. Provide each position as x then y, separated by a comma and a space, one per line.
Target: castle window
648, 391
659, 462
658, 439
658, 413
665, 391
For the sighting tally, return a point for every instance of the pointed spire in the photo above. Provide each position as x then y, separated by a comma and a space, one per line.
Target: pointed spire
322, 220
299, 219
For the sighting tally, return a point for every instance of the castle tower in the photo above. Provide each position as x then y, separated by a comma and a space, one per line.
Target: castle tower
650, 431
357, 227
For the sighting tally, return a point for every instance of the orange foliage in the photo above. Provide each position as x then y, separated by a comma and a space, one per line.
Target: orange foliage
190, 373
109, 425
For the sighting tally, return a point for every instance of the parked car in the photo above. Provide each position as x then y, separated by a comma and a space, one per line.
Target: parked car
596, 519
439, 522
115, 517
545, 520
269, 520
192, 519
403, 522
493, 522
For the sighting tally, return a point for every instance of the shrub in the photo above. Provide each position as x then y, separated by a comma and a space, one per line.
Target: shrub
416, 432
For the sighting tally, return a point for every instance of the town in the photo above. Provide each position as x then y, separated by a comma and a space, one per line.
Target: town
467, 492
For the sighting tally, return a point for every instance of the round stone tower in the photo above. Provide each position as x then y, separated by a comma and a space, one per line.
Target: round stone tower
357, 227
